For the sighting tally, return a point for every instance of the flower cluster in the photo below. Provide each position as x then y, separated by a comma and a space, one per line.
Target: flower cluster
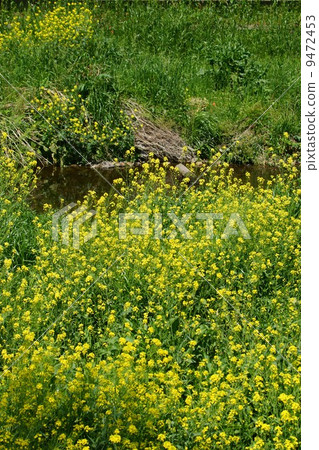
69, 133
146, 343
64, 25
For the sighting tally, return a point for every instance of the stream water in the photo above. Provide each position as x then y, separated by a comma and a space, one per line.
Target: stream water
73, 182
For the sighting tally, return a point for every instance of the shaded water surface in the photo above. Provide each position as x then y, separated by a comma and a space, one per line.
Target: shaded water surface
73, 183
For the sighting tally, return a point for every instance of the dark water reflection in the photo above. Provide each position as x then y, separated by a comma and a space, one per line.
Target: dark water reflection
73, 183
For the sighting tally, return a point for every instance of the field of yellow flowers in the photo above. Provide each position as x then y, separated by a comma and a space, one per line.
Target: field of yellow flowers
165, 339
144, 343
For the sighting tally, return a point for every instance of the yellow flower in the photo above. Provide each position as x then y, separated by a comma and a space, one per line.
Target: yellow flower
132, 429
169, 446
7, 263
115, 438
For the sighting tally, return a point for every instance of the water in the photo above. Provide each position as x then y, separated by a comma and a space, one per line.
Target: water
72, 183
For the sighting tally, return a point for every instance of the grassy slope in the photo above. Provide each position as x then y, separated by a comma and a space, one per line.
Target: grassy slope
168, 51
209, 71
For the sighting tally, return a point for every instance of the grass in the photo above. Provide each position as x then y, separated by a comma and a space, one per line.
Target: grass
208, 71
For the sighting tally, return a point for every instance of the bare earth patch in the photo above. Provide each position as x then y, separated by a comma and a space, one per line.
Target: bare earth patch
154, 138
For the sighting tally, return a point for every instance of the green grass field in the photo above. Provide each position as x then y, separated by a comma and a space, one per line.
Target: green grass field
206, 70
